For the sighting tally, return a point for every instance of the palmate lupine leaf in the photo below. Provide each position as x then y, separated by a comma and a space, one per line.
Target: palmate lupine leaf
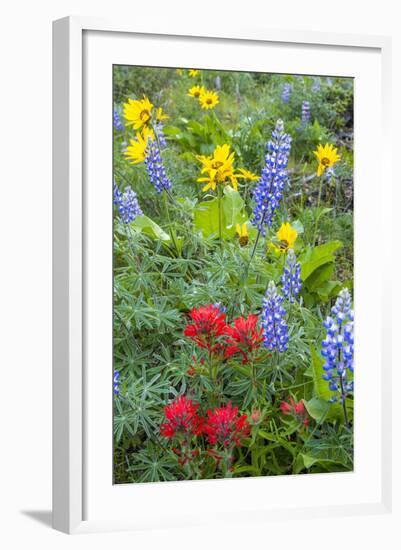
135, 414
140, 314
332, 453
152, 464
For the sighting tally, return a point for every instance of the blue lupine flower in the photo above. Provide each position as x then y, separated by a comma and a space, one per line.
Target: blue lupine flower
116, 382
291, 278
275, 329
338, 347
329, 81
305, 113
155, 167
158, 127
118, 125
274, 177
221, 308
329, 173
316, 85
286, 92
127, 204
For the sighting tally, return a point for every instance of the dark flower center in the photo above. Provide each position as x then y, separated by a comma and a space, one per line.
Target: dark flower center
144, 115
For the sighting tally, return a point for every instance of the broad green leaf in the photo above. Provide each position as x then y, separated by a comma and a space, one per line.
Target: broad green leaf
233, 208
149, 227
319, 276
303, 461
307, 461
328, 289
297, 224
315, 257
206, 214
324, 456
317, 408
171, 130
322, 390
206, 217
197, 128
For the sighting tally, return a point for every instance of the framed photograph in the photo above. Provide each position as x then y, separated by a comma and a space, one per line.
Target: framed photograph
219, 320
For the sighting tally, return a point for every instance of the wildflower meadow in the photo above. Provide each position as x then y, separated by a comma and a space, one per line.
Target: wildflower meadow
233, 274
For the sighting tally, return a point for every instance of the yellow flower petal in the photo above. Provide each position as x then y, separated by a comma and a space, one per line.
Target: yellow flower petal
196, 91
287, 236
208, 99
137, 112
246, 174
327, 156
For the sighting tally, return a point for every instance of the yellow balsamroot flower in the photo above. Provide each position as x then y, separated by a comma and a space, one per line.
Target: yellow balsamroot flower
327, 157
160, 115
193, 72
246, 175
242, 232
138, 112
208, 99
136, 150
287, 236
219, 168
196, 91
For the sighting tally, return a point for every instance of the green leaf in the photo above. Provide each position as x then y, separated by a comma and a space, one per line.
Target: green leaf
319, 276
145, 225
171, 130
321, 387
297, 224
206, 214
315, 257
317, 408
328, 289
233, 209
206, 217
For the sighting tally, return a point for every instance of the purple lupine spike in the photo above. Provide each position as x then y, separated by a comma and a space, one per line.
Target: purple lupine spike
305, 113
155, 168
275, 329
127, 204
338, 347
274, 177
118, 125
286, 92
291, 278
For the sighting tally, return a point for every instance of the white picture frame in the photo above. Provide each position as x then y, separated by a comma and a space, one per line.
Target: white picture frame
70, 251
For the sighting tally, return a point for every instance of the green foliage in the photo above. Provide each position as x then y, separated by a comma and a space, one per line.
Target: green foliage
317, 268
206, 214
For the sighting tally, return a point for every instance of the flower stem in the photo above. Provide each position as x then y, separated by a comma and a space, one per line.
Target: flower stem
255, 244
343, 394
317, 210
171, 231
343, 403
219, 189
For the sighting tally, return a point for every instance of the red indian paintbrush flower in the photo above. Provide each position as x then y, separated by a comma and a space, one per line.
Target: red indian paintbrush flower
244, 337
209, 322
296, 409
224, 425
182, 418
